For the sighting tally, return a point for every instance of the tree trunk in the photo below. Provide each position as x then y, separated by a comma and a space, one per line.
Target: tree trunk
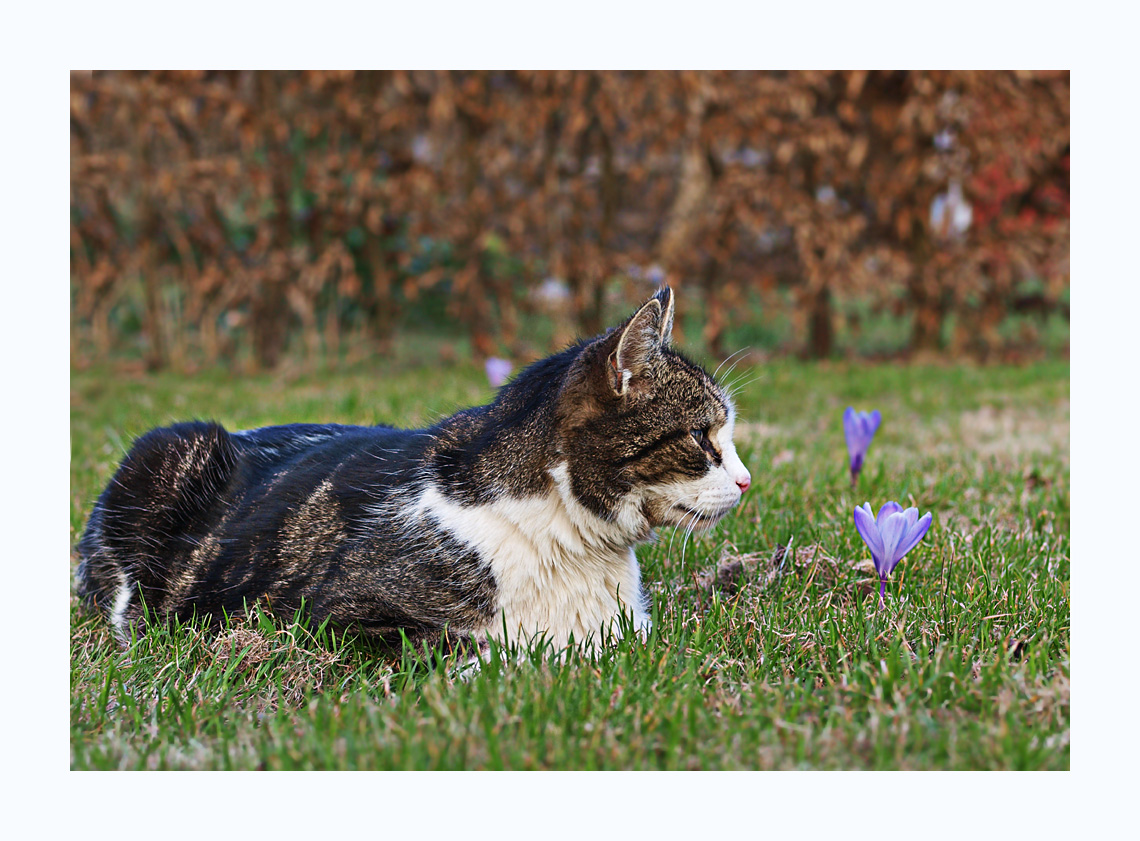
270, 311
696, 181
155, 354
380, 304
472, 285
929, 312
821, 331
715, 312
924, 289
269, 315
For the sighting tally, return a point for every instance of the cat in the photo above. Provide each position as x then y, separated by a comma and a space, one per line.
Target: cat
515, 521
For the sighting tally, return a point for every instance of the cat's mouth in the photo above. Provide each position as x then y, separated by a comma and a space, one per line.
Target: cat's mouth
693, 518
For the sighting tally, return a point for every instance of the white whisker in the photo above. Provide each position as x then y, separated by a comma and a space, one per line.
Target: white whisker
722, 364
737, 387
688, 534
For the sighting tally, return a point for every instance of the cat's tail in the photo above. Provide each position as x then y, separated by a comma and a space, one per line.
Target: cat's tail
166, 484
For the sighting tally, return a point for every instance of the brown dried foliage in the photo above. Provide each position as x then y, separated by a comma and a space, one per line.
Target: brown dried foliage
244, 205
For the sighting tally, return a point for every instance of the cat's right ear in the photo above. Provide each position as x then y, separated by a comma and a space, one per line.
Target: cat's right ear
667, 299
638, 341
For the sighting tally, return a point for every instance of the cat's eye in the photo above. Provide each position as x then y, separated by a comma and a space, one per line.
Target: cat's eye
701, 436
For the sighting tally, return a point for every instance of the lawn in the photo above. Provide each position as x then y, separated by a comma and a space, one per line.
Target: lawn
769, 648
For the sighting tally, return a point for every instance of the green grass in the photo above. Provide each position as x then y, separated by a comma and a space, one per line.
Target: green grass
755, 661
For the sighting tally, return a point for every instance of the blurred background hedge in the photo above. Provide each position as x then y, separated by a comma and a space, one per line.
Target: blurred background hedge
235, 218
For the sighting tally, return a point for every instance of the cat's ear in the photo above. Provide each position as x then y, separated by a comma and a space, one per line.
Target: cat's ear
638, 341
666, 298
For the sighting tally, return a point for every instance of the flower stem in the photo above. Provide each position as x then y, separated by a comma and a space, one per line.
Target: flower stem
882, 592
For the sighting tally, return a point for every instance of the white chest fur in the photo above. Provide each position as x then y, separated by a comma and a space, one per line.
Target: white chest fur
560, 570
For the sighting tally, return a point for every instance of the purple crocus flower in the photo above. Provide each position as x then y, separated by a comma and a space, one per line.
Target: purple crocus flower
890, 535
859, 428
497, 371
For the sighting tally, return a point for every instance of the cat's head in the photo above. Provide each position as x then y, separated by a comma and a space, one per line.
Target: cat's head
645, 433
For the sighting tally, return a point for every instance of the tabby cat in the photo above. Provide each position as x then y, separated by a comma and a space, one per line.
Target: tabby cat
513, 520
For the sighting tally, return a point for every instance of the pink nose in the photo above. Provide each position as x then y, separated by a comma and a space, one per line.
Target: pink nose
745, 483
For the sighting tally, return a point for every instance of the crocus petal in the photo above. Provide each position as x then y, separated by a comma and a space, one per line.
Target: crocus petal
866, 423
873, 421
891, 532
865, 524
915, 532
911, 515
850, 431
886, 511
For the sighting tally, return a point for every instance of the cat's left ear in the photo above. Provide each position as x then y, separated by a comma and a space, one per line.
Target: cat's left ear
666, 298
638, 341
